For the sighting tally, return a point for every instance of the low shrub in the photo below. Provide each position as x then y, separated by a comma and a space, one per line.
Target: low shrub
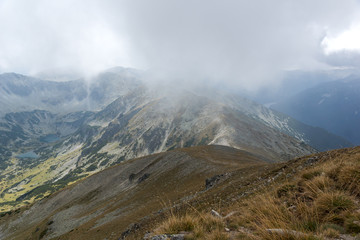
284, 190
349, 179
176, 224
333, 203
311, 174
331, 226
352, 225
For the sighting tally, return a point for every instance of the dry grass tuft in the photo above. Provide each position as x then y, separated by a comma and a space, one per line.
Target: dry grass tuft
176, 224
319, 184
321, 201
310, 174
201, 226
349, 178
331, 233
333, 203
217, 235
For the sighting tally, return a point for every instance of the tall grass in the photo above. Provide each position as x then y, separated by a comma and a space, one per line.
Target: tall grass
321, 201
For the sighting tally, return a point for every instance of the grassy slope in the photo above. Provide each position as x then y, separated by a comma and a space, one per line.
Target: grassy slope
313, 197
28, 179
105, 204
316, 196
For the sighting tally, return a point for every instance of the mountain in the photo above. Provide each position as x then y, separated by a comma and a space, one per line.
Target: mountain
334, 106
141, 122
150, 122
157, 192
23, 93
43, 151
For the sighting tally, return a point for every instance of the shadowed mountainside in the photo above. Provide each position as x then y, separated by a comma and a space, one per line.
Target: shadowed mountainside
334, 106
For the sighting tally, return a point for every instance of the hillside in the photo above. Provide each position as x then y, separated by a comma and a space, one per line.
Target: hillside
107, 202
312, 197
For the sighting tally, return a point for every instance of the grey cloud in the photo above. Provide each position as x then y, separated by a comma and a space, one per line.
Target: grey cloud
244, 43
344, 58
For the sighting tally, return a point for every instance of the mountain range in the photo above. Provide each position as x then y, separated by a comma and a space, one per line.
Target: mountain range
55, 133
334, 106
24, 93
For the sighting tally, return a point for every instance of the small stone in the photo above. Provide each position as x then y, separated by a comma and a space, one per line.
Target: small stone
210, 182
147, 236
215, 214
285, 232
143, 177
227, 230
177, 237
311, 161
292, 208
159, 237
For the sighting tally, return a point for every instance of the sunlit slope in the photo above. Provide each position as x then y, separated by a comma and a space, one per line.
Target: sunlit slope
24, 185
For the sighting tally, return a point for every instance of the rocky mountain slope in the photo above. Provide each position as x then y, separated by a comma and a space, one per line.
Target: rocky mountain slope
334, 106
145, 122
136, 196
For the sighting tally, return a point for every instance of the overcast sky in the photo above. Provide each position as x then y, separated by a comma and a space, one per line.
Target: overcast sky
246, 43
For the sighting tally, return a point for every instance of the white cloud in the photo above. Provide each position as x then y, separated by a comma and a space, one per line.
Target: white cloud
346, 40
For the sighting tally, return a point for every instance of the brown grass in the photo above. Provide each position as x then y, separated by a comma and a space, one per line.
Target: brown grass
176, 224
319, 201
201, 226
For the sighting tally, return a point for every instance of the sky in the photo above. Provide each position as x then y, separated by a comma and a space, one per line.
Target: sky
247, 44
